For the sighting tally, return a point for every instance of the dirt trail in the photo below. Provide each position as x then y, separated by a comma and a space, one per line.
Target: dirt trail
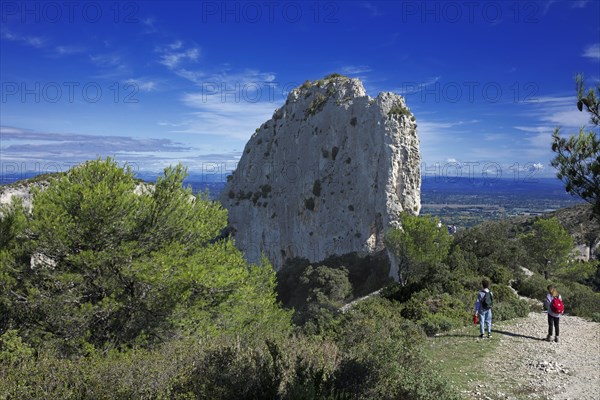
525, 366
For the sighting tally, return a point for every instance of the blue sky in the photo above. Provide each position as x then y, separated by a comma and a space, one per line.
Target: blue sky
155, 83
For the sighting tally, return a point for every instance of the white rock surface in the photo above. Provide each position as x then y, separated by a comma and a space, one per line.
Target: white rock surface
326, 175
23, 192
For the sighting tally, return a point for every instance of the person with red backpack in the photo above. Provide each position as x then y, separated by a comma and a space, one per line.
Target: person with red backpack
555, 308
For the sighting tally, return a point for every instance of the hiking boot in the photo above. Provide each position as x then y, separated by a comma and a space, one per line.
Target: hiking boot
556, 339
489, 335
481, 336
549, 338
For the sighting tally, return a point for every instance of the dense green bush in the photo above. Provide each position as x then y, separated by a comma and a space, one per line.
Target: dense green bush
513, 308
580, 300
534, 287
383, 356
103, 260
502, 293
376, 354
581, 272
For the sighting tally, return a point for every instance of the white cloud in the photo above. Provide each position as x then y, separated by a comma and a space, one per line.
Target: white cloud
535, 129
415, 87
176, 45
66, 50
34, 41
592, 51
149, 25
567, 118
429, 126
371, 8
538, 166
355, 69
142, 85
29, 144
579, 3
547, 5
111, 64
174, 54
224, 117
553, 111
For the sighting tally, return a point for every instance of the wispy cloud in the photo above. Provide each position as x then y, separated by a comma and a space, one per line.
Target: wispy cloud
68, 50
34, 41
535, 129
592, 51
149, 25
224, 117
555, 111
142, 84
546, 6
407, 88
443, 140
173, 54
19, 143
355, 69
373, 10
579, 3
112, 65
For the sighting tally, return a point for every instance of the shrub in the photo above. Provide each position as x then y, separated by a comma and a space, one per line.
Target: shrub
435, 323
382, 356
579, 272
399, 110
580, 300
316, 105
335, 75
513, 308
502, 293
534, 287
12, 348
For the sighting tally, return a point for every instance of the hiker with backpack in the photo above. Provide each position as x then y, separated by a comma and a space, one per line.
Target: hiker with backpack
483, 308
555, 308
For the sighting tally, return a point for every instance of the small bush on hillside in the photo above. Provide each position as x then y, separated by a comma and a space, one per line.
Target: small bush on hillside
382, 356
509, 309
435, 323
580, 272
580, 300
534, 287
502, 293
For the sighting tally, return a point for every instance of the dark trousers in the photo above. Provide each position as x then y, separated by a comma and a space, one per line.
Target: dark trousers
553, 321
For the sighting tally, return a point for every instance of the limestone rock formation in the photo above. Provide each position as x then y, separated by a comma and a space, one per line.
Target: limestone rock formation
326, 175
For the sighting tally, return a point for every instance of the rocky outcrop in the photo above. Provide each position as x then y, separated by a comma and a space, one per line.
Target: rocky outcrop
23, 190
326, 175
583, 227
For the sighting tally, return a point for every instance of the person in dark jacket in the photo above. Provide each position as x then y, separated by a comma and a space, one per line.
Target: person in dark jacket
483, 307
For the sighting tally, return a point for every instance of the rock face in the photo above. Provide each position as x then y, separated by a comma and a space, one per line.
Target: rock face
326, 175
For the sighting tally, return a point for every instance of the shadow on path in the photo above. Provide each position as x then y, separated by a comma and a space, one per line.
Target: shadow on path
511, 334
476, 336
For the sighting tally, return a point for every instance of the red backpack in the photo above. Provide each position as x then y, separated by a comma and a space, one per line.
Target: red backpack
557, 306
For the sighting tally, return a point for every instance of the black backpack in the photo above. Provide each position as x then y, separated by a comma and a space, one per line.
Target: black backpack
487, 300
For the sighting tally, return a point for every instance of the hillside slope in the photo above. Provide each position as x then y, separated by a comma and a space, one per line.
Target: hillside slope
578, 221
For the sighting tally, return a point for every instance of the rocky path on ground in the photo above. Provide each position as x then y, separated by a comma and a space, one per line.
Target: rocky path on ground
525, 366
